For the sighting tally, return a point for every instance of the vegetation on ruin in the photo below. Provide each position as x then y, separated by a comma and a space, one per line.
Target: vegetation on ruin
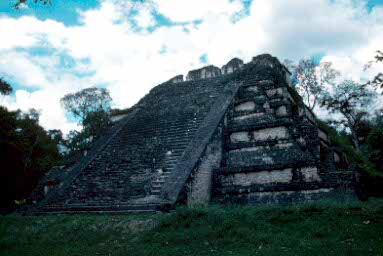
317, 229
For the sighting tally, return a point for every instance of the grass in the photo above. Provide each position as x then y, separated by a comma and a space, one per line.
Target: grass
319, 229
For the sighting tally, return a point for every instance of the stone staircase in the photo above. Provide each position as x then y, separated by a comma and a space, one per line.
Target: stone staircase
128, 173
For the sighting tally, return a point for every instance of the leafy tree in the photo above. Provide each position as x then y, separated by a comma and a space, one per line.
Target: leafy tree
92, 107
88, 100
350, 100
378, 79
28, 152
310, 78
96, 122
20, 3
56, 136
77, 141
375, 142
5, 88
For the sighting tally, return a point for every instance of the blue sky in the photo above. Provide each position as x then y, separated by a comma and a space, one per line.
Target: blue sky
130, 47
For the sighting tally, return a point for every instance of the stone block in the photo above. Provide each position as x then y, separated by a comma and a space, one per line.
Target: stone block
263, 177
246, 106
232, 66
202, 73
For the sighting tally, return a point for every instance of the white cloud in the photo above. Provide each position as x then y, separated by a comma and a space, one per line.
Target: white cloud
186, 10
46, 102
145, 18
130, 62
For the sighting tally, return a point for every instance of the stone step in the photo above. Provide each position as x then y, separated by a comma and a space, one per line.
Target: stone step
178, 128
138, 141
156, 185
144, 207
173, 156
161, 178
155, 192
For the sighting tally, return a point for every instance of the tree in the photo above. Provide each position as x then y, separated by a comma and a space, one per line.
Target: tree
88, 100
78, 141
350, 100
20, 3
28, 152
56, 136
375, 142
96, 122
310, 79
5, 88
378, 79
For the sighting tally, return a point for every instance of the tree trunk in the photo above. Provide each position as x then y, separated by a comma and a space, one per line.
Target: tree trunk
355, 139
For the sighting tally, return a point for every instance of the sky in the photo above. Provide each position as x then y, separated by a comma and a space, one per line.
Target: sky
129, 47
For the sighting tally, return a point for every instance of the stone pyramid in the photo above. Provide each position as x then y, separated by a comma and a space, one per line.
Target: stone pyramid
239, 134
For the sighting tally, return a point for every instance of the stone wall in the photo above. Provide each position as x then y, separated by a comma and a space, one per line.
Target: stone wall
200, 183
271, 151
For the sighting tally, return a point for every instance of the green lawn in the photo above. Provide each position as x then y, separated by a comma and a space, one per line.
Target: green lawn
320, 229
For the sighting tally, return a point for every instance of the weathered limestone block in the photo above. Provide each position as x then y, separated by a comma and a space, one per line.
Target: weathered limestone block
281, 111
271, 133
264, 177
280, 132
252, 89
177, 79
251, 149
232, 66
274, 91
249, 105
264, 60
248, 158
310, 174
249, 116
240, 137
205, 72
284, 145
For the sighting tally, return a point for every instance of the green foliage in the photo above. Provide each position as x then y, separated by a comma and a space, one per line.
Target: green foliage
56, 136
28, 152
378, 79
77, 141
316, 229
96, 122
309, 78
19, 3
351, 101
375, 139
88, 100
93, 125
92, 107
5, 88
375, 143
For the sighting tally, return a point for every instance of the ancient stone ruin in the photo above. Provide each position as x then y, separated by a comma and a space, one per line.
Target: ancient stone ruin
239, 135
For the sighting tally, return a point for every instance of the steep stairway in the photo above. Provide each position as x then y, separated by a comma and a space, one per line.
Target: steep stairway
129, 172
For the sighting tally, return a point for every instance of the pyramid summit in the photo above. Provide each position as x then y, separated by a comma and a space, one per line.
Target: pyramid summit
240, 134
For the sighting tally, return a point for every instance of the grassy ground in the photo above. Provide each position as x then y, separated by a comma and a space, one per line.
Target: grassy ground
319, 229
